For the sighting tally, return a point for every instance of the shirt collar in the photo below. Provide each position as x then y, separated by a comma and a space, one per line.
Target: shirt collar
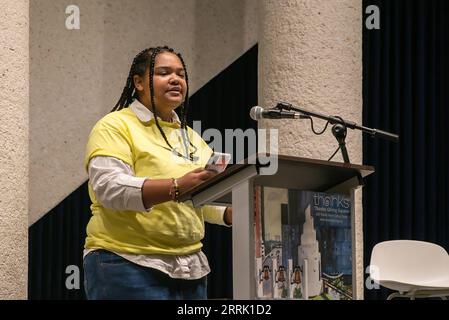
145, 115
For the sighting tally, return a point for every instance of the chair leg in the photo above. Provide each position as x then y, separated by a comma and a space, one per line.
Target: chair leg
394, 295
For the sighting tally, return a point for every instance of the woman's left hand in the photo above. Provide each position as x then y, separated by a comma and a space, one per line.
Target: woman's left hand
228, 216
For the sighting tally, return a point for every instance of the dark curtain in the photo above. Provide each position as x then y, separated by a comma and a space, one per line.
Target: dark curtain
405, 86
57, 239
55, 242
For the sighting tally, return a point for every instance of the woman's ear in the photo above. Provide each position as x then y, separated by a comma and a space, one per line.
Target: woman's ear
138, 82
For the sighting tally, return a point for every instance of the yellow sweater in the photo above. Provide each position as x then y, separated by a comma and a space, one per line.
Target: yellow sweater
169, 228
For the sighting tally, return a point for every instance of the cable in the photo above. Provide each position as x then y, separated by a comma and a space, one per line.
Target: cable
324, 130
313, 129
320, 133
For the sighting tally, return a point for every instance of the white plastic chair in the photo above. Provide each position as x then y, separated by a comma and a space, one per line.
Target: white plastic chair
415, 269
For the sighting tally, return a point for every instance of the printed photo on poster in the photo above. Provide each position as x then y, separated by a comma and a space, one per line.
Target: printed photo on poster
303, 245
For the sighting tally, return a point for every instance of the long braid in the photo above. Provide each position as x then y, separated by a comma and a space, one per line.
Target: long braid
185, 104
126, 97
185, 107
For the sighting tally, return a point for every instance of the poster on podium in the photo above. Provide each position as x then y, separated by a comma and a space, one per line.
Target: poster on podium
303, 245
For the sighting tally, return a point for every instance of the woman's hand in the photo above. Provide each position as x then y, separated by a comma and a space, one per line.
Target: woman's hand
227, 217
194, 178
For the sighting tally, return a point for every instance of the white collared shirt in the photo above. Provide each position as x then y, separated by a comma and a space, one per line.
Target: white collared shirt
116, 187
145, 115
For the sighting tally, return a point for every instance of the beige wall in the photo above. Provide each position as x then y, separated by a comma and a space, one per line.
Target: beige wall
78, 75
310, 54
14, 102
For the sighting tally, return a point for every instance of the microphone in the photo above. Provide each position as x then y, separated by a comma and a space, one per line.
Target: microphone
258, 113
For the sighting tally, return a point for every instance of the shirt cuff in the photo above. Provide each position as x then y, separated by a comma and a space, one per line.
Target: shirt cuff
134, 195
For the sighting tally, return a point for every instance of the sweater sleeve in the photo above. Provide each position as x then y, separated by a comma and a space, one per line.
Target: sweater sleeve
107, 139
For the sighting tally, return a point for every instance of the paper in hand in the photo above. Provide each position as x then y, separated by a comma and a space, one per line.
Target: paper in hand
218, 162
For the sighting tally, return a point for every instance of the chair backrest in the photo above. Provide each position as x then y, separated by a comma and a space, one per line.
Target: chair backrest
408, 261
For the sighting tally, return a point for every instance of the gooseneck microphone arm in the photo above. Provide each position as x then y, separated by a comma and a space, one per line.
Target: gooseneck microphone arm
337, 120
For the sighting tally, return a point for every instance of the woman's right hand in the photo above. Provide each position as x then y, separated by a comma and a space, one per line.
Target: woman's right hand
194, 178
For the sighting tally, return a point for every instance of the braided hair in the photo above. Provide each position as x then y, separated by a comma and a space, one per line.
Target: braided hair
147, 59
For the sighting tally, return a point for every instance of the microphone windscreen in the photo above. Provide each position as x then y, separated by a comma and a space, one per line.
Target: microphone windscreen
256, 113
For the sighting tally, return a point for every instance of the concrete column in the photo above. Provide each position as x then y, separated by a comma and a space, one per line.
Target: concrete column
310, 54
14, 106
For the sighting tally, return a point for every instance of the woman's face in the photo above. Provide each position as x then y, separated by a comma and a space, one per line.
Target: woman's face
169, 83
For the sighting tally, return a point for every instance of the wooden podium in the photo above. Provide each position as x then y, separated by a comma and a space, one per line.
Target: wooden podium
235, 187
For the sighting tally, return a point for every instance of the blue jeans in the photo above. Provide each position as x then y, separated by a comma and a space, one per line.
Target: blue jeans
108, 276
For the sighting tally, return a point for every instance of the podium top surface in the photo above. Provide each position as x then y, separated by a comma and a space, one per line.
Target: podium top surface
293, 173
